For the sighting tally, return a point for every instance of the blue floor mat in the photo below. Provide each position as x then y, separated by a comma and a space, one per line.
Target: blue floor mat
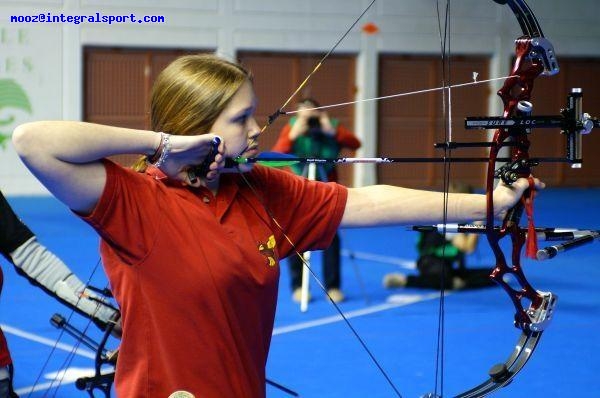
316, 354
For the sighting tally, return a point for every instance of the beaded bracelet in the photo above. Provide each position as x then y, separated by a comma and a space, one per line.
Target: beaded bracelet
162, 152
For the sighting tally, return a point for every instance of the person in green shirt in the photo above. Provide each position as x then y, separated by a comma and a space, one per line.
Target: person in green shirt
441, 261
312, 133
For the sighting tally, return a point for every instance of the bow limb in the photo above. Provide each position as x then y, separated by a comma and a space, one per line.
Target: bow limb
81, 336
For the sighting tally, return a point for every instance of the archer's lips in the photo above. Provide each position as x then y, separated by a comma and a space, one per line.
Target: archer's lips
251, 152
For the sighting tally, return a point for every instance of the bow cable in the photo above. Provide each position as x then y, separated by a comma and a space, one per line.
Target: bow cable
406, 94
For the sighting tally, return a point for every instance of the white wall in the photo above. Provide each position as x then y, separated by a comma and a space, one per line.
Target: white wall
46, 59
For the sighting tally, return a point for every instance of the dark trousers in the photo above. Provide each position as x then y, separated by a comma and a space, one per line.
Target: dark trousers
331, 266
6, 388
473, 278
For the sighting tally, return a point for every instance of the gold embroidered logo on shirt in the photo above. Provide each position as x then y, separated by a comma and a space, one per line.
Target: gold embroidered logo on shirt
268, 250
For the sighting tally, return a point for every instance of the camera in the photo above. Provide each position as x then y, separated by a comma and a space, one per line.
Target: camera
314, 129
314, 123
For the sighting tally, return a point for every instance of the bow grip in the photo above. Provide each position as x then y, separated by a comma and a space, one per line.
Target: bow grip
513, 216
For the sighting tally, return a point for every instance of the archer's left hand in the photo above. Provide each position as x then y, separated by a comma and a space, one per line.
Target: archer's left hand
506, 196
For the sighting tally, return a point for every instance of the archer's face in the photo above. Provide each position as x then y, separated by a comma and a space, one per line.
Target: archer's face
237, 127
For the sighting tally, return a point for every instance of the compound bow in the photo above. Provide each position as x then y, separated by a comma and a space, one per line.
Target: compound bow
534, 57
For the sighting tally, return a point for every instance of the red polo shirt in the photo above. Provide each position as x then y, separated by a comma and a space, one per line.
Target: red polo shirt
196, 276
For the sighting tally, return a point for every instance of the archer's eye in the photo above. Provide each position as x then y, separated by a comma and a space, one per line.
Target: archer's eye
241, 119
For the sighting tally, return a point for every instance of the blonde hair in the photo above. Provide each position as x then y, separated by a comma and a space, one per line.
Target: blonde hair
190, 93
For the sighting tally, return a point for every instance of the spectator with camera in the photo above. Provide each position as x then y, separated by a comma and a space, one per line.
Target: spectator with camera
312, 133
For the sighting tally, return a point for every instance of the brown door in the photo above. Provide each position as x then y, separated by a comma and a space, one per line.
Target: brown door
410, 126
117, 84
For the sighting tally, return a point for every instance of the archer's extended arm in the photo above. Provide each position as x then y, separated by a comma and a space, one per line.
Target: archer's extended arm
44, 269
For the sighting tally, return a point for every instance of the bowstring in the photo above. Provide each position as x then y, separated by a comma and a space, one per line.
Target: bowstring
444, 36
405, 94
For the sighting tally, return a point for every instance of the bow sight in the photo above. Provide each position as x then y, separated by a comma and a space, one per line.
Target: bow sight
572, 121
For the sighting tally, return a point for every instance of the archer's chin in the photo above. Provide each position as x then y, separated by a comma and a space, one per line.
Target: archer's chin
245, 167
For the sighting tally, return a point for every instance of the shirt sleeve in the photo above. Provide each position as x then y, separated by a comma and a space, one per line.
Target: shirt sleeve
309, 212
346, 139
124, 217
284, 144
13, 232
